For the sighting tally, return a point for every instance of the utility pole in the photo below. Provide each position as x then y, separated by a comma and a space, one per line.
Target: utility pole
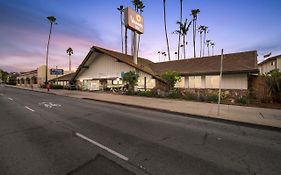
221, 68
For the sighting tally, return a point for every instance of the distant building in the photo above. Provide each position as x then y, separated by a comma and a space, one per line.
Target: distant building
36, 77
270, 64
103, 68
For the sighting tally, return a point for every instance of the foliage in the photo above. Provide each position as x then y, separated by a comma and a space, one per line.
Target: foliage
243, 100
273, 81
190, 96
171, 78
212, 98
174, 94
56, 86
147, 93
131, 78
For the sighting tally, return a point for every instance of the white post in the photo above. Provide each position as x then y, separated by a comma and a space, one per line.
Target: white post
221, 68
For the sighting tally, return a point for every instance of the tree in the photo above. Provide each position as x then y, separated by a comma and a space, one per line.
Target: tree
273, 82
171, 78
141, 6
179, 42
194, 14
165, 26
205, 31
201, 30
131, 78
208, 42
52, 20
184, 28
213, 46
121, 9
69, 51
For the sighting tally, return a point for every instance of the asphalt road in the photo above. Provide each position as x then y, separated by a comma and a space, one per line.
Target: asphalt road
48, 134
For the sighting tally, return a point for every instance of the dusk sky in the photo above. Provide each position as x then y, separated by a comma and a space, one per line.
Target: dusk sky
235, 25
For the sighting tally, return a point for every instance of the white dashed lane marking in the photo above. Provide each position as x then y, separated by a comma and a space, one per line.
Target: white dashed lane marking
11, 99
29, 108
102, 147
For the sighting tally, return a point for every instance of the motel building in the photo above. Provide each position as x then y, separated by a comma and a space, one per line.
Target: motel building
103, 68
36, 78
270, 64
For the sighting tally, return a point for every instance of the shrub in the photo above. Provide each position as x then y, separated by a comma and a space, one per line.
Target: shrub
174, 94
273, 81
190, 96
171, 78
131, 78
147, 93
212, 98
243, 100
56, 86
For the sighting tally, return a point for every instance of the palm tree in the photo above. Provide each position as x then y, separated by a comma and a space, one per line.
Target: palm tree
200, 30
208, 42
141, 6
69, 51
184, 28
194, 14
165, 26
179, 29
164, 53
205, 31
121, 9
213, 45
52, 20
159, 53
136, 5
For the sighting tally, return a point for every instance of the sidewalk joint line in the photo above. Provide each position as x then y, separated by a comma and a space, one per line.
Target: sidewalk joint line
102, 147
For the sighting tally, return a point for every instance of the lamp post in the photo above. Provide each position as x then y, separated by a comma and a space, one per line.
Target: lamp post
52, 20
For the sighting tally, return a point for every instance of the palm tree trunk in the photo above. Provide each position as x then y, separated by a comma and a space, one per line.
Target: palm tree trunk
200, 45
47, 56
179, 33
184, 47
126, 40
194, 55
69, 63
121, 26
204, 43
165, 25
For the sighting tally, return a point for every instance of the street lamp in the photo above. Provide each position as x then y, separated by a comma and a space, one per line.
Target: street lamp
52, 20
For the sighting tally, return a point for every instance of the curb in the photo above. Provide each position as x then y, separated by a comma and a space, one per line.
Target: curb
195, 116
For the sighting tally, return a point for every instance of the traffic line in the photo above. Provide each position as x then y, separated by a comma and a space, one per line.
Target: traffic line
102, 147
29, 108
11, 99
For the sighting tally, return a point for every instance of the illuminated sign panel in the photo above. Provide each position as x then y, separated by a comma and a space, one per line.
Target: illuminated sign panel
56, 71
133, 20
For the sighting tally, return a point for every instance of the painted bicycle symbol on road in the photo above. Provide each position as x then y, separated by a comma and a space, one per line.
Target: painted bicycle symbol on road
49, 104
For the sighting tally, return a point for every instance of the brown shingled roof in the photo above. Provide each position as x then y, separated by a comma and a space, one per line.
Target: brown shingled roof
243, 62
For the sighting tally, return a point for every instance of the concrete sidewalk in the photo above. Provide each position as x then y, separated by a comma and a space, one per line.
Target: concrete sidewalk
248, 115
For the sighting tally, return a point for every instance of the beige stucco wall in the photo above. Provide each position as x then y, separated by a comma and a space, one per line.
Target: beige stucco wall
181, 83
235, 81
41, 74
231, 81
279, 63
106, 67
266, 67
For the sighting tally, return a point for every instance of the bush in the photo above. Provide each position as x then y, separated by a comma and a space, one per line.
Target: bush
212, 98
56, 86
243, 100
174, 94
190, 96
131, 78
171, 78
147, 93
273, 81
